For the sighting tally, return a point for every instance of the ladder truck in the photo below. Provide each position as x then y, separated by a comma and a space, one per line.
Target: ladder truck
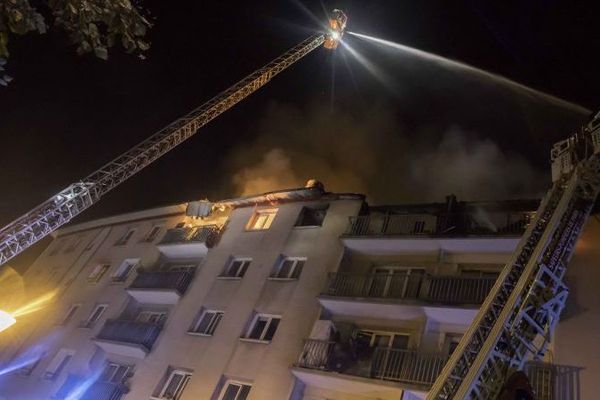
516, 322
61, 208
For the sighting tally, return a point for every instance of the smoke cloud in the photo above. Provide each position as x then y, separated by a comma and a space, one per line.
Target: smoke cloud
368, 151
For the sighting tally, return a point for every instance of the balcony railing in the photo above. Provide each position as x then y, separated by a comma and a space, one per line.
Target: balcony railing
549, 381
200, 234
102, 390
130, 332
431, 289
494, 223
176, 280
407, 366
99, 390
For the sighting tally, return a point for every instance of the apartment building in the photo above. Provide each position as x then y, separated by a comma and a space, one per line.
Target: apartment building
294, 294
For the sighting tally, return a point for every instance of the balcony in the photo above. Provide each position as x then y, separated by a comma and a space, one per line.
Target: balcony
385, 371
102, 390
188, 242
496, 232
127, 338
86, 389
160, 287
452, 299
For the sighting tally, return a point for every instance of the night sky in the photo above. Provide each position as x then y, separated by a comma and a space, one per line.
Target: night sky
65, 115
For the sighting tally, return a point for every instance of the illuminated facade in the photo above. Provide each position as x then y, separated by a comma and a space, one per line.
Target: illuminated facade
295, 294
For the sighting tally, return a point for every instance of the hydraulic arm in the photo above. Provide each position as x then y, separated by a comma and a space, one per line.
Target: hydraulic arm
516, 322
70, 202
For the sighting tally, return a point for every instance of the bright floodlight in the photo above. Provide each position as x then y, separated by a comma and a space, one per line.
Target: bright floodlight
6, 320
335, 35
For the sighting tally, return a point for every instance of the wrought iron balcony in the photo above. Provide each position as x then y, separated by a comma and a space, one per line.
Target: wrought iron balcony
406, 366
161, 287
189, 242
426, 288
488, 224
130, 338
420, 369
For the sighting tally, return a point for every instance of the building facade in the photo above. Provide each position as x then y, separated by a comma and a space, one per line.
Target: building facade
294, 294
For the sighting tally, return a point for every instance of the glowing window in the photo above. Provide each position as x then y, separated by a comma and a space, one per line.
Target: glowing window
262, 219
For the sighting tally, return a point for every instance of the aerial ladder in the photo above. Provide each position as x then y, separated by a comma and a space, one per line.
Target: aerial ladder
516, 322
77, 197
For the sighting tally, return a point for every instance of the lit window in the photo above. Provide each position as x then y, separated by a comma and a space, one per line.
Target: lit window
115, 373
263, 327
152, 317
262, 219
97, 273
207, 322
312, 215
288, 268
70, 314
125, 238
174, 384
233, 390
153, 233
58, 363
95, 315
125, 269
236, 267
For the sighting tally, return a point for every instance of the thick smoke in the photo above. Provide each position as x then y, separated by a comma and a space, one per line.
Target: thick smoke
368, 151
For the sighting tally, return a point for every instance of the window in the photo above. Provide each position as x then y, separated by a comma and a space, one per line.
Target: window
236, 267
263, 327
288, 268
174, 384
233, 390
312, 215
153, 233
178, 267
97, 273
152, 317
207, 322
95, 315
58, 363
70, 314
115, 373
261, 219
392, 340
125, 238
125, 269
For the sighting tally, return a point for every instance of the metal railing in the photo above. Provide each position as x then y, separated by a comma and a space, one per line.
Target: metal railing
102, 390
177, 280
493, 223
433, 289
131, 332
408, 366
554, 382
549, 381
199, 234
